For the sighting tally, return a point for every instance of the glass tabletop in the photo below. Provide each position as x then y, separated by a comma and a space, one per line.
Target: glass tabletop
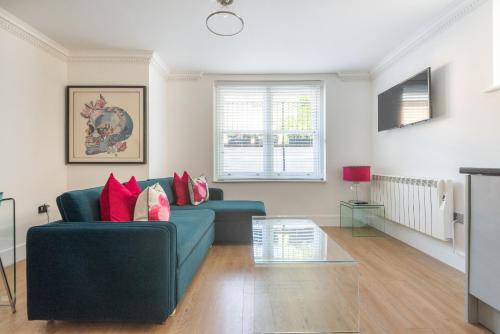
362, 205
293, 240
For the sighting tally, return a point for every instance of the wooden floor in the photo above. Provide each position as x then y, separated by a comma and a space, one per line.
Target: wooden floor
401, 291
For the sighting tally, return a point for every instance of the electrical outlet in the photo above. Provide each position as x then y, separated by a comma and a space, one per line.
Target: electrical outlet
43, 208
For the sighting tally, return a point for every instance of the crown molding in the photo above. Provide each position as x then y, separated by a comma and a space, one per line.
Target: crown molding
144, 57
158, 63
186, 76
111, 57
441, 23
343, 76
27, 33
354, 76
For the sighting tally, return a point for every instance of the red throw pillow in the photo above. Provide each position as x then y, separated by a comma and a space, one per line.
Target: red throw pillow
133, 186
118, 201
181, 189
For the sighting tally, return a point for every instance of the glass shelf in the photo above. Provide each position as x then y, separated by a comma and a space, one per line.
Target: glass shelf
8, 253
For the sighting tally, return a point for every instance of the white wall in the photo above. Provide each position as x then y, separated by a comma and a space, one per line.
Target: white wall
32, 168
105, 73
158, 155
496, 43
465, 131
190, 143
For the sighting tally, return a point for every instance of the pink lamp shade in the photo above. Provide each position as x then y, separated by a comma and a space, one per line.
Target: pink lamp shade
357, 173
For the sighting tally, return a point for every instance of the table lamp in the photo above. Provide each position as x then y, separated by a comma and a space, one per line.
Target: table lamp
356, 174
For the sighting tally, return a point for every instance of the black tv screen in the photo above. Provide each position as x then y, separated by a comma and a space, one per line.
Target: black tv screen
407, 103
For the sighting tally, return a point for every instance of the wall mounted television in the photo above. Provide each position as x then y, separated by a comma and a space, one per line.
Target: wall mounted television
407, 103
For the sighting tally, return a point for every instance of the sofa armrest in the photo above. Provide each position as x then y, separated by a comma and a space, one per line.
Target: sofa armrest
216, 194
101, 271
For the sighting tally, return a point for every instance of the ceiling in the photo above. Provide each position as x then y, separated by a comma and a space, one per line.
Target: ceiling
281, 36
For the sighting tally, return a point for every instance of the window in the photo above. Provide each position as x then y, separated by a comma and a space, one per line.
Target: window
269, 131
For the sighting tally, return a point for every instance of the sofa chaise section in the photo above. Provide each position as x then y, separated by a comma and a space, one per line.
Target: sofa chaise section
233, 219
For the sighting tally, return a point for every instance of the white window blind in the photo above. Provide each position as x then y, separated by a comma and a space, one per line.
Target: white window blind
269, 131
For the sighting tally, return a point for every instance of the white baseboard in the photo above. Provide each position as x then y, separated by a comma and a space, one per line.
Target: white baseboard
8, 255
438, 249
320, 220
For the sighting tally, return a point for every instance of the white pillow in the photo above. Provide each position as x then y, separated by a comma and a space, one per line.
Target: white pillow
152, 205
198, 190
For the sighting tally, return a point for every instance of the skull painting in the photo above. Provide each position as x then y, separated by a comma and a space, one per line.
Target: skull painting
108, 128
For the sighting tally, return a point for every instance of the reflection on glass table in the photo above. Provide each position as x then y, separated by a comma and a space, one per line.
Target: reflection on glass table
293, 240
303, 280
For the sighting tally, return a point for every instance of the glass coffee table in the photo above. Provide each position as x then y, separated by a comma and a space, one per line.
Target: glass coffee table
304, 282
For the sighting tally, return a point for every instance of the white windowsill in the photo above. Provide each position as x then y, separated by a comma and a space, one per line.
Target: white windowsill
494, 88
269, 181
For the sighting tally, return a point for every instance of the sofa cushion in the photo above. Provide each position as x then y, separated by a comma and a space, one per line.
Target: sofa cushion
255, 208
191, 226
80, 205
165, 183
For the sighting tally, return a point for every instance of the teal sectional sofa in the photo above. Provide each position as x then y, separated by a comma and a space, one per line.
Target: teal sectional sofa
86, 270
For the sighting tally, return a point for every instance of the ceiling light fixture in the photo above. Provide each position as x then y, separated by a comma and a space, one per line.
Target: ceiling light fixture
225, 22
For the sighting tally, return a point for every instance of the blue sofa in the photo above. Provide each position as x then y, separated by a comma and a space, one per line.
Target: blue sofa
86, 270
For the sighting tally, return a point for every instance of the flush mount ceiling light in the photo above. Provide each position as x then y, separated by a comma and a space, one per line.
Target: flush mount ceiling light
225, 22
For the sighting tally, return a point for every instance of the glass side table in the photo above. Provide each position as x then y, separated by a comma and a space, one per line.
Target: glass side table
8, 256
365, 220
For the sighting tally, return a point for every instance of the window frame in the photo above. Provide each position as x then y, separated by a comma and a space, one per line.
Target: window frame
251, 176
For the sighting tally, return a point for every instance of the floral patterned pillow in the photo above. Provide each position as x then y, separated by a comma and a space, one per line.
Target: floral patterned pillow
152, 205
198, 190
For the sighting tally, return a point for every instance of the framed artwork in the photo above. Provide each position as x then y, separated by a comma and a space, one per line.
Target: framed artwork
106, 124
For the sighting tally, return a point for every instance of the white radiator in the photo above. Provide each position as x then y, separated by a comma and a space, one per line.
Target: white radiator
425, 205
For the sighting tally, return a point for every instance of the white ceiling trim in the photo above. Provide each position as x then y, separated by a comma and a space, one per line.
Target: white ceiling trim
440, 24
185, 76
343, 76
25, 32
159, 65
354, 76
111, 56
144, 57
